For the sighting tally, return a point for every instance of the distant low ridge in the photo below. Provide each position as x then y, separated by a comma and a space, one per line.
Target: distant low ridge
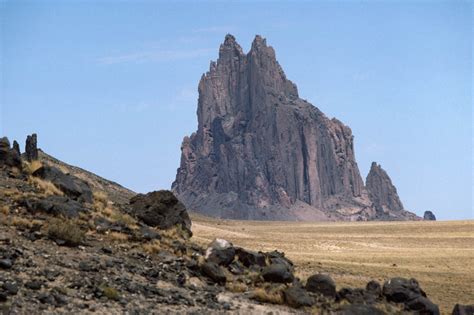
261, 152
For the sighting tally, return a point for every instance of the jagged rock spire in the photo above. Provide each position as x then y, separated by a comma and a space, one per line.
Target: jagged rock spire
381, 190
260, 152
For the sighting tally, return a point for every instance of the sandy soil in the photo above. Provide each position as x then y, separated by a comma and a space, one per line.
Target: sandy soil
440, 255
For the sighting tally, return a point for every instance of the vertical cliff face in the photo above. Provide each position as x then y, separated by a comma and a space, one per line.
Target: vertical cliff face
261, 152
382, 192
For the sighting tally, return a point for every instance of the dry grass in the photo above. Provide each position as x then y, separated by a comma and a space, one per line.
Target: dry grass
46, 187
152, 247
5, 210
236, 287
21, 222
439, 254
31, 167
273, 295
66, 230
117, 237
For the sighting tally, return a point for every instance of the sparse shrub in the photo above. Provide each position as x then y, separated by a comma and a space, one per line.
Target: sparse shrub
5, 210
236, 287
100, 200
152, 247
21, 222
270, 295
31, 167
66, 230
45, 186
118, 237
110, 293
123, 219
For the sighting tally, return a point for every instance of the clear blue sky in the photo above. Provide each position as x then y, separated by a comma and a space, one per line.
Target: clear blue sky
112, 86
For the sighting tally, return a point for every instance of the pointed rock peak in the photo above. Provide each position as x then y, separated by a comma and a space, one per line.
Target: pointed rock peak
381, 190
230, 48
258, 42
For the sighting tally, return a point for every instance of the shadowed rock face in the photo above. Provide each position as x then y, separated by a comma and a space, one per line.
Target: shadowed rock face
261, 152
381, 190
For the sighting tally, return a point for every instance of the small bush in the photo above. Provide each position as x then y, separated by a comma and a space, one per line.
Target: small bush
45, 186
236, 287
118, 237
5, 210
110, 293
152, 247
273, 296
66, 230
31, 167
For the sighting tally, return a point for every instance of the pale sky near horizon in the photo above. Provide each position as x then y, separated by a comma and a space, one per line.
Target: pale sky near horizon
112, 86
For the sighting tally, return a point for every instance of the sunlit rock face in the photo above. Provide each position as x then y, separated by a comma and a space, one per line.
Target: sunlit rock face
261, 152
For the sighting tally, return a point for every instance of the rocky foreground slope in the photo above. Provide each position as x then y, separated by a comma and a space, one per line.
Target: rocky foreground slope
66, 247
262, 152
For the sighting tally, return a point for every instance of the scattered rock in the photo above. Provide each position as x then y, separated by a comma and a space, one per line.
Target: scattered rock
401, 290
160, 209
54, 205
220, 251
34, 285
11, 287
214, 272
297, 297
422, 305
278, 273
429, 216
250, 258
6, 264
460, 309
73, 187
374, 287
322, 284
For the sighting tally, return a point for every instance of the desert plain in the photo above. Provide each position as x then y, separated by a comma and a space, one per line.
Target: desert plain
439, 254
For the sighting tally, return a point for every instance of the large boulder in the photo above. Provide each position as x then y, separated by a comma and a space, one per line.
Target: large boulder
322, 284
214, 272
422, 305
70, 185
251, 258
160, 209
221, 252
278, 273
429, 216
8, 156
463, 309
31, 147
401, 290
297, 297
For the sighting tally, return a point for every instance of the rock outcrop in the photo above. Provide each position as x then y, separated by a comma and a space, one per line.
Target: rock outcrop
31, 148
382, 192
429, 216
261, 152
160, 209
9, 156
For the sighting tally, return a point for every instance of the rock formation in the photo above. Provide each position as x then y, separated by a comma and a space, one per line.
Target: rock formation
260, 151
8, 156
31, 149
429, 216
381, 190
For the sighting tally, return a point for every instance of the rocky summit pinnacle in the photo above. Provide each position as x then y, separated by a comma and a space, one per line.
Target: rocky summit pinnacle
381, 190
261, 152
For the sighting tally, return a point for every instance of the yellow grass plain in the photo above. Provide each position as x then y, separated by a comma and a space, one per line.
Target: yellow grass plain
440, 255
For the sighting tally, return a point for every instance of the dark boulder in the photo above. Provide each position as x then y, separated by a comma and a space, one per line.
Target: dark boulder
214, 272
278, 273
70, 185
31, 148
358, 296
6, 264
221, 252
374, 288
250, 258
322, 284
422, 305
297, 297
429, 216
160, 209
54, 205
276, 257
401, 290
463, 309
